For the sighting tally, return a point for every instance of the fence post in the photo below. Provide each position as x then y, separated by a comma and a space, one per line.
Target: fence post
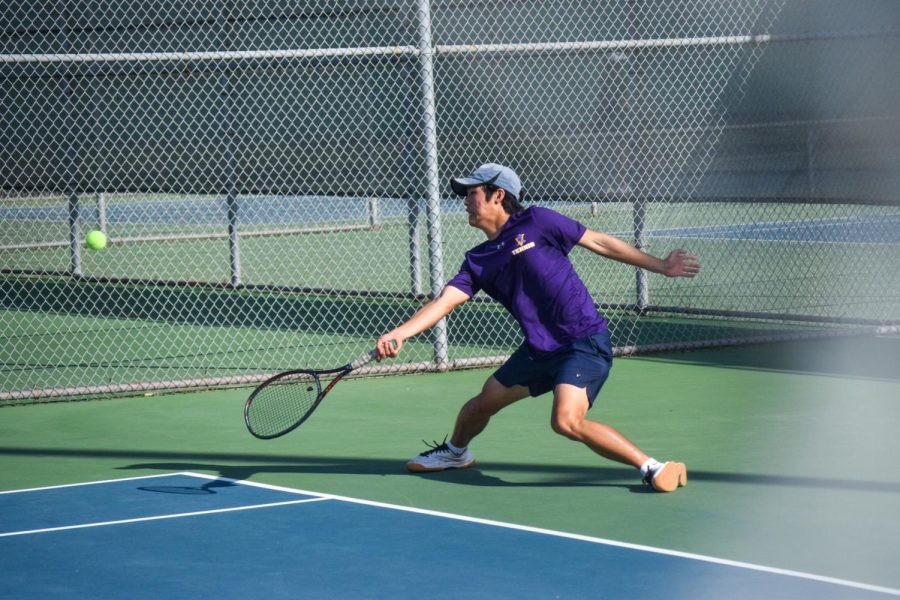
229, 166
433, 197
412, 211
71, 136
637, 186
415, 253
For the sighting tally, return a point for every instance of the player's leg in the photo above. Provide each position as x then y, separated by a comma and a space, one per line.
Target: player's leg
476, 413
570, 405
473, 417
579, 376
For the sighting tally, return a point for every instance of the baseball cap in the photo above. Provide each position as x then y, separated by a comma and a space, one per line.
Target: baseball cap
502, 177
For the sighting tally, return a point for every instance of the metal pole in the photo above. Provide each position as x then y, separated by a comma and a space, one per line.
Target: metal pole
229, 167
412, 214
415, 250
101, 213
433, 197
70, 141
373, 208
642, 300
74, 233
636, 155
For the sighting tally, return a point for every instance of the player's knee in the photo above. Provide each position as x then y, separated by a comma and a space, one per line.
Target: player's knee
477, 407
566, 426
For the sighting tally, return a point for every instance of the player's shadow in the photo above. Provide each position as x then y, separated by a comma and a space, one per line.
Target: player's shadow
501, 474
531, 476
244, 466
210, 487
520, 475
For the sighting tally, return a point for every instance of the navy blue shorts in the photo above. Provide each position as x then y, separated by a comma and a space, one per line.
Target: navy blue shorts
585, 363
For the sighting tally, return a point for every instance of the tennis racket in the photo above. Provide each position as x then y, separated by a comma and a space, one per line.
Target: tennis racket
282, 403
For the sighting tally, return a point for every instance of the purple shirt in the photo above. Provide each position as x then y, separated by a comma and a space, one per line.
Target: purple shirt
527, 269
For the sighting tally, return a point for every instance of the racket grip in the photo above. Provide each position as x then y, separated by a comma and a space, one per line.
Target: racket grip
364, 359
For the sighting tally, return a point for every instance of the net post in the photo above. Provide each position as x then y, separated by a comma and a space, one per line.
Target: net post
433, 207
374, 214
74, 216
101, 213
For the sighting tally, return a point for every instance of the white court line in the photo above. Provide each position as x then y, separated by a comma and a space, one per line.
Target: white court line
317, 497
68, 485
574, 536
160, 517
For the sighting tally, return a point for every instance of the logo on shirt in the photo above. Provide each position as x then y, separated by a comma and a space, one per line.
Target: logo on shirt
521, 246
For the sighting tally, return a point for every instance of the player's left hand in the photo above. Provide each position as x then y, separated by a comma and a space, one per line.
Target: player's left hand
681, 264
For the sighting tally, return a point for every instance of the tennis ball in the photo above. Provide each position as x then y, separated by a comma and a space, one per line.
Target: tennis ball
96, 240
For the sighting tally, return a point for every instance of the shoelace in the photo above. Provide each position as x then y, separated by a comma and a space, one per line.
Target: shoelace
648, 478
435, 447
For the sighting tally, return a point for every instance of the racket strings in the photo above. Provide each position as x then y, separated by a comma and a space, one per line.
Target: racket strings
282, 404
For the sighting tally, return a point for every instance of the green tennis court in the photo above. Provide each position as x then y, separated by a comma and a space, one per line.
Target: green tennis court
789, 449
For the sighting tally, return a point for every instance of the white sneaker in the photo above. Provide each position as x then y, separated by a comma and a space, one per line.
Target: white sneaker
667, 477
439, 458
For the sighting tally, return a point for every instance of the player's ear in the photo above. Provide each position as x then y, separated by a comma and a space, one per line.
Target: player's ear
499, 195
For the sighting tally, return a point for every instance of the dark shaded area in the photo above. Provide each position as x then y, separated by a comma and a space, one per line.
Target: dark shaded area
245, 466
862, 357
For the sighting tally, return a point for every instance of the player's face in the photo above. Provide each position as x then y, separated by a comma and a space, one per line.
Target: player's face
481, 209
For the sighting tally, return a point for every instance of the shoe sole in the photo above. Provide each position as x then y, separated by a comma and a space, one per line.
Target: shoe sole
671, 477
417, 468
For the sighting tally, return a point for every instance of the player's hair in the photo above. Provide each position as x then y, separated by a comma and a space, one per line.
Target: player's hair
511, 204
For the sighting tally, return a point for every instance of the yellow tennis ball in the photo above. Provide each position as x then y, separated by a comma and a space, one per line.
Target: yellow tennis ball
96, 240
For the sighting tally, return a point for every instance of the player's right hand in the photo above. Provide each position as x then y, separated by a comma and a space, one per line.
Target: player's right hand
388, 346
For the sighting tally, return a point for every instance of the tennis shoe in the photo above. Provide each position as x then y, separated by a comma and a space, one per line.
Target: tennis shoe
667, 477
439, 457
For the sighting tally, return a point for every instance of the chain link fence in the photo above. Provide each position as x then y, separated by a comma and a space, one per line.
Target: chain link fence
272, 176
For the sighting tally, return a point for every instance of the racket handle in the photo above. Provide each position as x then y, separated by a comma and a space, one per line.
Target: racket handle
364, 359
367, 357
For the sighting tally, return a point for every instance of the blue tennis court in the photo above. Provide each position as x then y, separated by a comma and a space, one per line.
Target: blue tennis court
185, 535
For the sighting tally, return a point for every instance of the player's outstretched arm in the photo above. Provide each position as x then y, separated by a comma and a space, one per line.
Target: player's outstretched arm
677, 264
424, 318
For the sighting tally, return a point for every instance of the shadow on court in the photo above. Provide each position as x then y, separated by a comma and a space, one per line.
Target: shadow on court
542, 477
487, 474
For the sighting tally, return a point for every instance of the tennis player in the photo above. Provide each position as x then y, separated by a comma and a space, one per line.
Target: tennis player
524, 265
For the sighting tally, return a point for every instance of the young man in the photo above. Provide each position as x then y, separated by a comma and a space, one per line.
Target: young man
524, 265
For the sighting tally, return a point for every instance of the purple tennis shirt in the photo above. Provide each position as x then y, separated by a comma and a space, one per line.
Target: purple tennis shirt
527, 269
